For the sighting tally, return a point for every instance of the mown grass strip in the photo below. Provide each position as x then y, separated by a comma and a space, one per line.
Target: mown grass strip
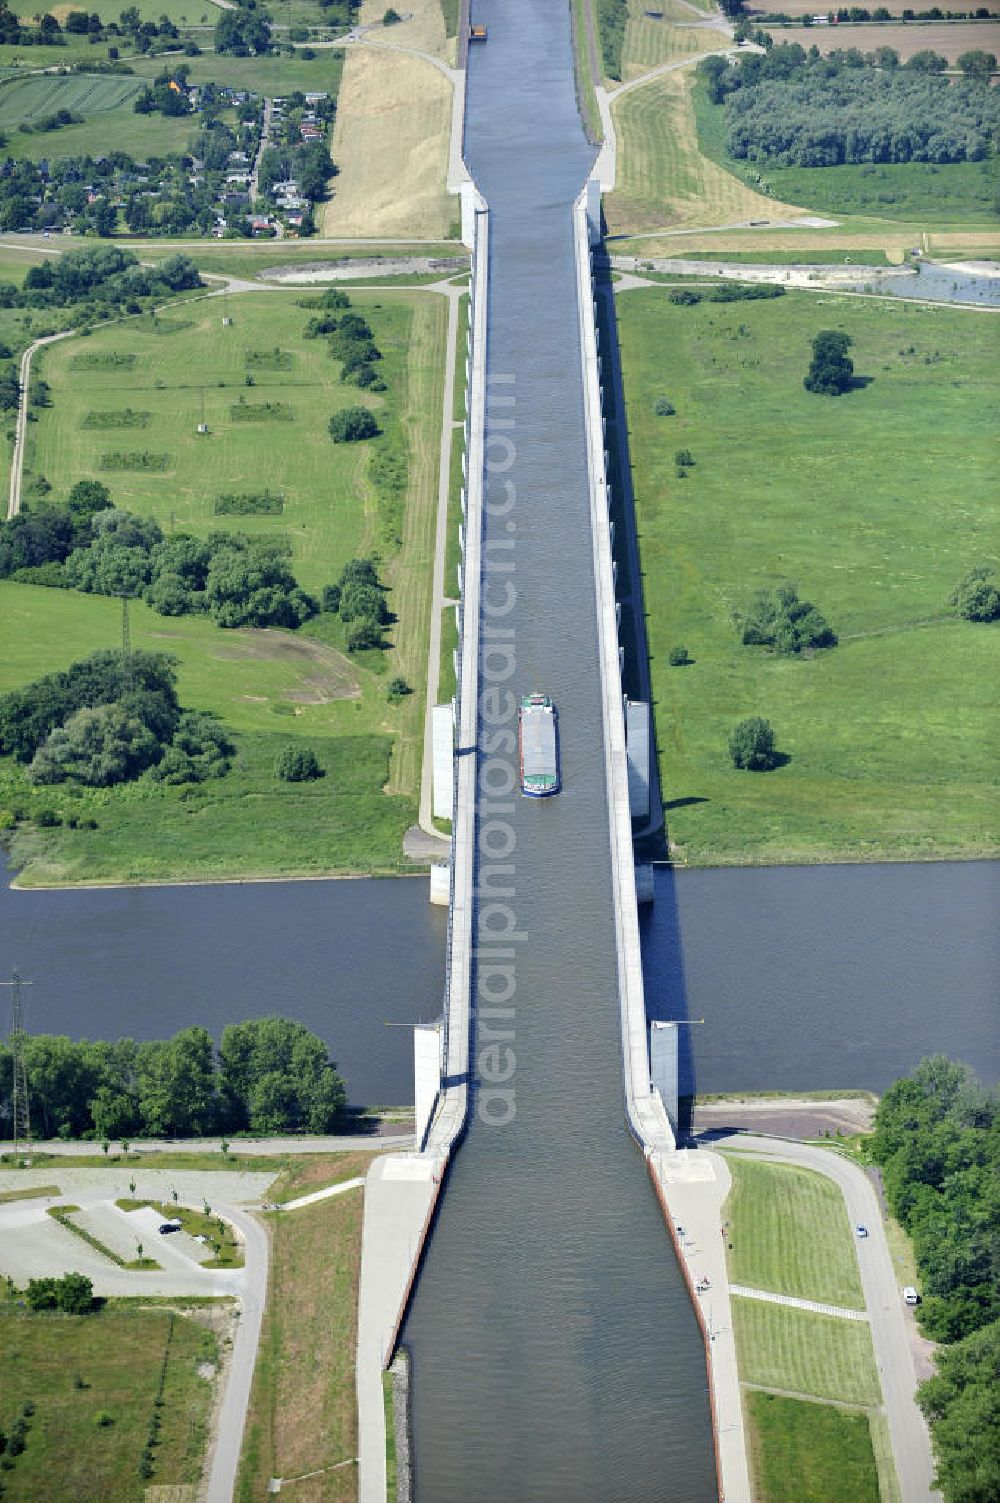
795, 1351
788, 1232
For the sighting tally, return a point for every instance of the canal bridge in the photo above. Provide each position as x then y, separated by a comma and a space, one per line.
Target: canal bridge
555, 1350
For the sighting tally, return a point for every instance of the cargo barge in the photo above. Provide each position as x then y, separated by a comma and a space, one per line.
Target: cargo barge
538, 741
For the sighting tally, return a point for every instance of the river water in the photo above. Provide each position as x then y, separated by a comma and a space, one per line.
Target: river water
807, 977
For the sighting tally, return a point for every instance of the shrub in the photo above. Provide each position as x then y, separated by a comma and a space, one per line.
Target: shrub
683, 459
751, 745
331, 598
679, 657
353, 424
684, 297
102, 1419
296, 764
399, 689
780, 620
663, 407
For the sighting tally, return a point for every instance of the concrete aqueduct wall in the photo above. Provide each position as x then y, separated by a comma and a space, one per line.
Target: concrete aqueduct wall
647, 1119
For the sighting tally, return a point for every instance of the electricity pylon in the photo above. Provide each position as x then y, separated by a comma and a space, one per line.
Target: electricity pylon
20, 1111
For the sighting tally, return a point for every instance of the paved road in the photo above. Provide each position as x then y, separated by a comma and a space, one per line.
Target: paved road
883, 1298
389, 1136
233, 1410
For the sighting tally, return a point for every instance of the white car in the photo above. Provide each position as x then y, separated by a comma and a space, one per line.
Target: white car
910, 1295
861, 1230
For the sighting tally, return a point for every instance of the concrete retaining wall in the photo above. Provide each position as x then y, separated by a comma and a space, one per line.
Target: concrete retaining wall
646, 1117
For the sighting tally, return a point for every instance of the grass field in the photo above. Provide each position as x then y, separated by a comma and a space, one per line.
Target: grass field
302, 1414
318, 1171
73, 1368
809, 1453
663, 178
790, 1234
270, 687
273, 75
584, 73
917, 191
795, 1351
649, 42
113, 129
858, 500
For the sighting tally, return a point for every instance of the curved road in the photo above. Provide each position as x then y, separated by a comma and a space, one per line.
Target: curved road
883, 1300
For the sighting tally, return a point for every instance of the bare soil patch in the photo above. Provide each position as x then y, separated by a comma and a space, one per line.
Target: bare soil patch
326, 674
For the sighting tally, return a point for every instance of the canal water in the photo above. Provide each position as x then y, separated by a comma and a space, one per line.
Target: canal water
556, 1355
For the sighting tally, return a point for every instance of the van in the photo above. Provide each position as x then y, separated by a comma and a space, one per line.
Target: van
910, 1295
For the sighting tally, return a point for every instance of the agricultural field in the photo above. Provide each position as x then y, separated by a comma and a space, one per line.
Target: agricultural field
30, 99
303, 1415
390, 139
93, 1381
888, 739
664, 180
270, 687
948, 38
922, 192
790, 1234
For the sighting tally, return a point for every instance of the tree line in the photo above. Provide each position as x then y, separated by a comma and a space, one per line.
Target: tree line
937, 1139
269, 1075
105, 277
791, 108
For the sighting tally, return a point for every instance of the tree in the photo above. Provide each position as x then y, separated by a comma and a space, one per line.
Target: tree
176, 1084
100, 747
977, 596
296, 764
358, 599
831, 371
352, 424
679, 657
978, 64
962, 1405
277, 1076
751, 745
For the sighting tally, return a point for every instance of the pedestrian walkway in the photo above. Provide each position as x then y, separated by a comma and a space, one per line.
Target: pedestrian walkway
316, 1195
798, 1304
